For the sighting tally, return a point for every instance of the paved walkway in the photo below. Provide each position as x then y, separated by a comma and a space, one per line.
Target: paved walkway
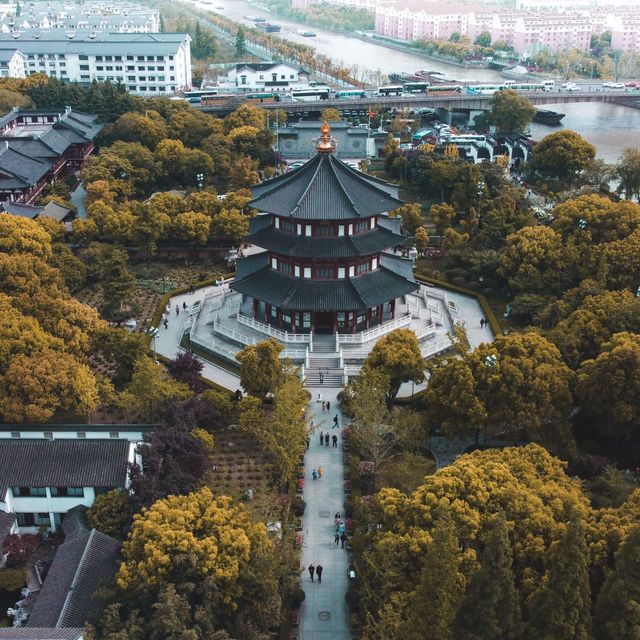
324, 613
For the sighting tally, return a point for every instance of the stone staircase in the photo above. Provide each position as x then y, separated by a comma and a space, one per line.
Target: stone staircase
324, 360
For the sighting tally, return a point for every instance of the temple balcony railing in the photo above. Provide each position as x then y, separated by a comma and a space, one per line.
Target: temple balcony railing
374, 333
268, 330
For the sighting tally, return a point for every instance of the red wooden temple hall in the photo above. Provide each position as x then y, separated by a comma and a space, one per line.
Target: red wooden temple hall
328, 263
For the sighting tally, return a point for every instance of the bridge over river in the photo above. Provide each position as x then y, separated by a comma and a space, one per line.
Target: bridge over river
457, 102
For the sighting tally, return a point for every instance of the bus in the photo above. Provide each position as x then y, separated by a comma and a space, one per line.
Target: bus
219, 99
444, 88
391, 90
355, 93
195, 97
416, 87
262, 98
490, 89
310, 95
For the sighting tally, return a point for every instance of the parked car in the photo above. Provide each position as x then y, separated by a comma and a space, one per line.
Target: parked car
632, 84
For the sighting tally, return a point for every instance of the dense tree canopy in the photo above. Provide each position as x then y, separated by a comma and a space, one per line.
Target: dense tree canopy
511, 111
563, 155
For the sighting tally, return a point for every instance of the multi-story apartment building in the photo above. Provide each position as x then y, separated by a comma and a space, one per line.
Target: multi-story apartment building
625, 33
121, 17
532, 34
146, 63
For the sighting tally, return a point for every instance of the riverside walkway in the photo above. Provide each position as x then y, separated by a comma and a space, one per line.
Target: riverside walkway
324, 613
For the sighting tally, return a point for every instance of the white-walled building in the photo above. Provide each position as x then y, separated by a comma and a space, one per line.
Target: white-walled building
266, 76
13, 64
148, 63
40, 480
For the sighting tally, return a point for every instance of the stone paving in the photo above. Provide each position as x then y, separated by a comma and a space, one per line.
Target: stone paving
324, 613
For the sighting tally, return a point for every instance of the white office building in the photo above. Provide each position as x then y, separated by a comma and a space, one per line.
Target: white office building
147, 63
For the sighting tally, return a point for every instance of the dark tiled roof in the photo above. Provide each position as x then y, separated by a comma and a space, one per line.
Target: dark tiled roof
20, 170
24, 210
300, 294
321, 247
325, 188
63, 463
40, 633
85, 560
250, 264
265, 66
6, 522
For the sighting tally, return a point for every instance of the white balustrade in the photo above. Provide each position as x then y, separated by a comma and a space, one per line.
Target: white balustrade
426, 331
282, 336
232, 334
375, 332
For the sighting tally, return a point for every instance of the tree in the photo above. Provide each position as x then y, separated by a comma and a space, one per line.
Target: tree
421, 240
397, 355
214, 552
563, 155
613, 406
561, 607
121, 347
186, 367
35, 386
204, 43
23, 236
483, 39
411, 215
516, 387
241, 41
18, 549
617, 613
490, 609
10, 99
511, 111
442, 215
111, 513
261, 368
628, 173
147, 128
230, 224
192, 227
174, 459
118, 281
150, 389
432, 609
331, 115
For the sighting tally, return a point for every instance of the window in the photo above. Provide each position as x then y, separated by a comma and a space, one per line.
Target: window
324, 231
143, 78
362, 226
243, 79
341, 272
352, 271
48, 435
282, 76
374, 263
118, 58
140, 68
108, 58
307, 272
84, 78
340, 230
15, 434
261, 77
131, 68
81, 434
109, 68
41, 520
291, 77
63, 492
161, 68
29, 492
285, 267
25, 519
363, 267
324, 273
84, 67
274, 263
99, 68
140, 58
151, 68
114, 434
151, 58
171, 58
129, 57
98, 58
119, 68
296, 271
307, 230
132, 87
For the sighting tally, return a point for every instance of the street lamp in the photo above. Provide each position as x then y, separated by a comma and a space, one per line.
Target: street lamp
491, 361
153, 332
200, 180
582, 223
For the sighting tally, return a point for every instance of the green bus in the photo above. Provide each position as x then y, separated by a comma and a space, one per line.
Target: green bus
354, 93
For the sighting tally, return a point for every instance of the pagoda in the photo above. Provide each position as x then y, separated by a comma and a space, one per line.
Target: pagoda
328, 262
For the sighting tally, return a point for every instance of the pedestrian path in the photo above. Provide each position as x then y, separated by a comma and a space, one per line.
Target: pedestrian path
324, 613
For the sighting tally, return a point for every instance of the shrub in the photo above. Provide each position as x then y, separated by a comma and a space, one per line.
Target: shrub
12, 579
352, 598
19, 549
299, 505
349, 507
297, 598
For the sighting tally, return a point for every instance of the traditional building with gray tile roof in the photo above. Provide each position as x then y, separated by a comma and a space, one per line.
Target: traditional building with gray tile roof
39, 147
327, 234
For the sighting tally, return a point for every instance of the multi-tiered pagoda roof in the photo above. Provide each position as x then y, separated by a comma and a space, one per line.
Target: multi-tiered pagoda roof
328, 262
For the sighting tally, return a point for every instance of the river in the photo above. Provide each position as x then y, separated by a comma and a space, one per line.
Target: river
611, 128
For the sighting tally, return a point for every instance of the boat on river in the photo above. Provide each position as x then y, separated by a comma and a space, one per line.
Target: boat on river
306, 34
269, 27
545, 116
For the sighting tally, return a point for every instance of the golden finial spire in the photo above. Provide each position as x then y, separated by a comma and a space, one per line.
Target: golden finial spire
326, 143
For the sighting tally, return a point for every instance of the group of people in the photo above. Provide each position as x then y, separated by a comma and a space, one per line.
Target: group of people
326, 406
324, 439
317, 570
341, 531
483, 322
316, 474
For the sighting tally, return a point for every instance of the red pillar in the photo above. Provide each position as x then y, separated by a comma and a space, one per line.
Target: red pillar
255, 308
380, 313
354, 322
367, 318
393, 309
267, 311
335, 321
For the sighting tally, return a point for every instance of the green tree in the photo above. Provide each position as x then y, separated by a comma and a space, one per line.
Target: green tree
614, 406
230, 224
411, 215
628, 173
511, 111
331, 115
397, 355
204, 43
111, 513
442, 215
118, 281
432, 609
617, 612
241, 41
261, 368
563, 155
422, 240
167, 621
192, 227
561, 607
490, 609
483, 39
151, 389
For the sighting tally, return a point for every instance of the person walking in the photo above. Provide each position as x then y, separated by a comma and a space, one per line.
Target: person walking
308, 442
328, 406
177, 310
336, 538
343, 539
184, 306
326, 440
320, 472
321, 378
311, 571
342, 528
314, 474
335, 422
319, 571
321, 438
334, 439
324, 406
165, 322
